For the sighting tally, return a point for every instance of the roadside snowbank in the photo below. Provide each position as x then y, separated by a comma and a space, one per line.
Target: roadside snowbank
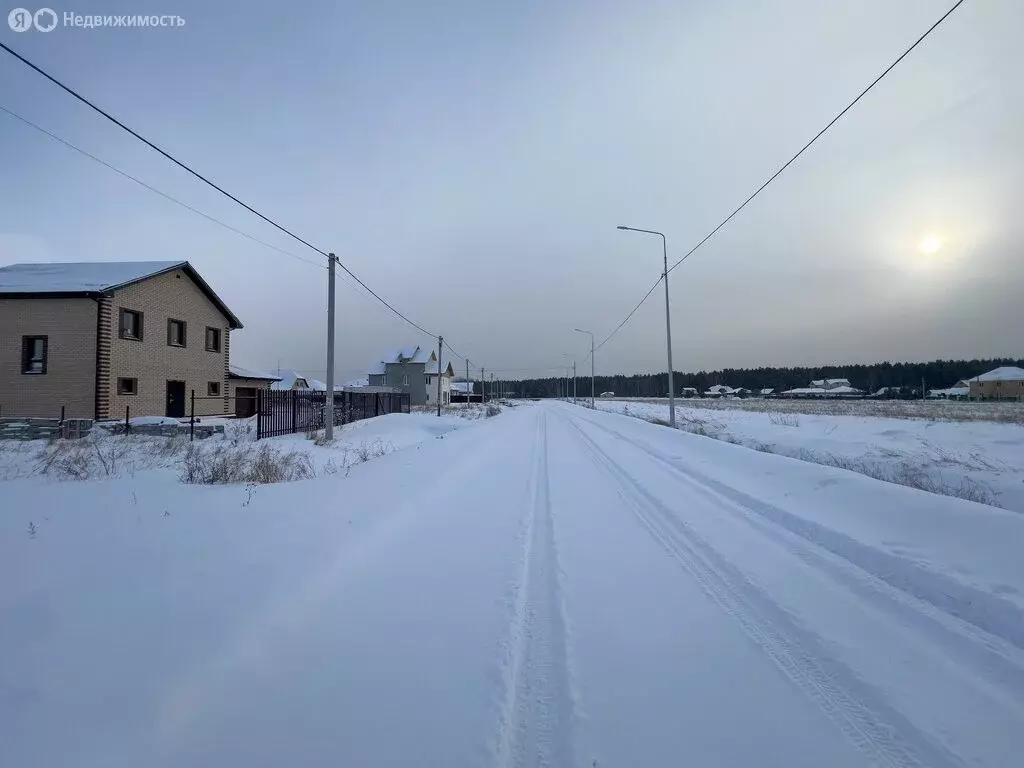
223, 458
977, 460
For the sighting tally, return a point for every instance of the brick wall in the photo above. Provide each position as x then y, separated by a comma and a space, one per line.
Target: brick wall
70, 378
152, 361
997, 390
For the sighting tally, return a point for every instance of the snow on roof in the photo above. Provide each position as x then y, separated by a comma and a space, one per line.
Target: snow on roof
245, 373
378, 369
844, 391
837, 381
462, 386
950, 392
317, 385
767, 391
89, 277
720, 389
363, 382
1005, 373
288, 379
446, 367
78, 277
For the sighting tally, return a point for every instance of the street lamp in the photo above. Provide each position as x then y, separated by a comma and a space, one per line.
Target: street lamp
580, 330
668, 321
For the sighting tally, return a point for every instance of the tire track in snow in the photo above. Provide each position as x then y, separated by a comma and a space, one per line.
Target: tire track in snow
981, 610
537, 725
859, 711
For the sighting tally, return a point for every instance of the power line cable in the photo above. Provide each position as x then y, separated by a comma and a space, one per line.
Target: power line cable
206, 181
175, 200
151, 188
820, 133
791, 160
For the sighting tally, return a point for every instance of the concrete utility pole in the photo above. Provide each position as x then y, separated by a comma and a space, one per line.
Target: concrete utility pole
440, 344
580, 330
483, 385
668, 321
329, 394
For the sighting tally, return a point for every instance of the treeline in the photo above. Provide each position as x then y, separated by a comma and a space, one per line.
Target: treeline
872, 377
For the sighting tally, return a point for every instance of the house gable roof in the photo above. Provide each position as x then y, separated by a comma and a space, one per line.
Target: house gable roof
288, 379
1005, 373
95, 278
238, 372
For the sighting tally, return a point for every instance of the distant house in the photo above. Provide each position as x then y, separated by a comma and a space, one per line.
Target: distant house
463, 391
243, 385
415, 371
959, 391
718, 390
767, 392
690, 392
99, 337
830, 383
607, 395
287, 380
1006, 383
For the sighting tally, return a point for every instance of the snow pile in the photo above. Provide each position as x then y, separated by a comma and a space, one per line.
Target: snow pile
557, 586
234, 457
971, 459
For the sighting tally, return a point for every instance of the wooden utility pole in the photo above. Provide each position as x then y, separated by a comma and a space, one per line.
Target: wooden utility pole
469, 384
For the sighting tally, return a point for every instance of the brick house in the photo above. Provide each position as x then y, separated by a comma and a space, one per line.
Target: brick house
97, 337
1006, 383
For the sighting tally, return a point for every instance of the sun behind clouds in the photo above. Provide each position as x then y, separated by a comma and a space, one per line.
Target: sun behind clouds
930, 244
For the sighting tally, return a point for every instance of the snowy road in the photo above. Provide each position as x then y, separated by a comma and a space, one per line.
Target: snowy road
556, 587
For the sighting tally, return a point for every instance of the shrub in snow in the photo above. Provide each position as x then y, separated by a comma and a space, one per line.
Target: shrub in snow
372, 450
225, 463
784, 419
492, 410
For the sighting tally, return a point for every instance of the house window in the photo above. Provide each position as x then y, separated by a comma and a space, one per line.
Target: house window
213, 389
33, 354
176, 333
405, 380
127, 386
131, 325
212, 339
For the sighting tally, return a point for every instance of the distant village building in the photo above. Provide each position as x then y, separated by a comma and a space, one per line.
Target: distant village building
1005, 383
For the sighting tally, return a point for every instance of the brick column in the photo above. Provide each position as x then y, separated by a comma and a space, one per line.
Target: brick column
104, 334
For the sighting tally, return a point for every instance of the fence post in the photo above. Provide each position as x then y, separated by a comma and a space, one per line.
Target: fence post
259, 413
192, 419
295, 422
127, 423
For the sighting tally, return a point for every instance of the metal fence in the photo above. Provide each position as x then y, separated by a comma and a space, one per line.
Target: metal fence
294, 411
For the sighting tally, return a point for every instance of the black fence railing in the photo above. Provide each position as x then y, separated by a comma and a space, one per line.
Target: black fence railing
294, 411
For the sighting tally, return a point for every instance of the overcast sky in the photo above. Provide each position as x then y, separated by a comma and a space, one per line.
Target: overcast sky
470, 160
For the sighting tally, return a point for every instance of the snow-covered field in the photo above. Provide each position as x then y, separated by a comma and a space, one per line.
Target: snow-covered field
552, 586
976, 459
1007, 411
